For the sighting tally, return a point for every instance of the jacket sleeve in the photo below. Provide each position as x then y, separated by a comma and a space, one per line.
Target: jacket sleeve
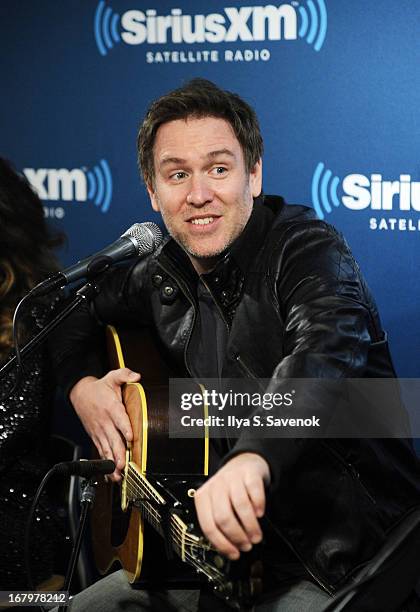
77, 347
329, 323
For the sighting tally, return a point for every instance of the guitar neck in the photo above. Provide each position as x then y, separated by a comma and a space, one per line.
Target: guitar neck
166, 520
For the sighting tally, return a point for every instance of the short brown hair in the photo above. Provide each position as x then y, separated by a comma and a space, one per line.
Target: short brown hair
199, 98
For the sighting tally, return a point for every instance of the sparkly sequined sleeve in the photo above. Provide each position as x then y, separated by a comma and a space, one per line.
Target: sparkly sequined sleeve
25, 418
24, 415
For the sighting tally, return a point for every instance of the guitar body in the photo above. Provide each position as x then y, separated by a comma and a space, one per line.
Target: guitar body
147, 523
122, 535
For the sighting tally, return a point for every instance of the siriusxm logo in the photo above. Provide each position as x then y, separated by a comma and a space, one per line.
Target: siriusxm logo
80, 185
305, 20
361, 192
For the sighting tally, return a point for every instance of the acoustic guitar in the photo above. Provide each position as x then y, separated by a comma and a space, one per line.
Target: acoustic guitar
147, 523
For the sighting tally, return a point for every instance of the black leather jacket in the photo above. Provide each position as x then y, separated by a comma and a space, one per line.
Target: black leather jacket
296, 306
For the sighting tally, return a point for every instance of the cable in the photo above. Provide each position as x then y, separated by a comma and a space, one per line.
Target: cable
35, 501
20, 370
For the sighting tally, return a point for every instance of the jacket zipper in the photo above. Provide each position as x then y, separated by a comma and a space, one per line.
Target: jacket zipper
350, 468
244, 367
216, 304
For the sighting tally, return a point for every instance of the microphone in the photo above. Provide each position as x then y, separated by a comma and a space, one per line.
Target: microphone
140, 239
84, 468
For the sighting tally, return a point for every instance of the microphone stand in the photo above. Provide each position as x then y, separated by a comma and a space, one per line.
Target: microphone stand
87, 292
87, 497
86, 502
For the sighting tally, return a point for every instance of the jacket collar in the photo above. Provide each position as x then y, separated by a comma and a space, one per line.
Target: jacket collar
246, 247
226, 281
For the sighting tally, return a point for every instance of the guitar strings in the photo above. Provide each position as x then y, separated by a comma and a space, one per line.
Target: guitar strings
179, 535
179, 538
157, 519
154, 514
143, 483
137, 476
179, 543
136, 492
211, 572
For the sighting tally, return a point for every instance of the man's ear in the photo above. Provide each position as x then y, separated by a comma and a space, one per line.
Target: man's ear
255, 179
153, 197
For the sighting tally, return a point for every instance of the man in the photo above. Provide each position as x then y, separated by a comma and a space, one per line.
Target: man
246, 286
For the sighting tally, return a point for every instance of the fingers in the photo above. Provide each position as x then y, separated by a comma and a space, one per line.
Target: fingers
256, 492
113, 447
246, 513
117, 413
229, 504
98, 404
105, 452
121, 376
115, 379
228, 518
112, 432
209, 527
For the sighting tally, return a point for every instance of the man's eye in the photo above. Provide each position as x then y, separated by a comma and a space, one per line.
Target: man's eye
219, 170
178, 176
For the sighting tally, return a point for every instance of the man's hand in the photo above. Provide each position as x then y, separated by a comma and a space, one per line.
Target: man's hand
229, 504
98, 404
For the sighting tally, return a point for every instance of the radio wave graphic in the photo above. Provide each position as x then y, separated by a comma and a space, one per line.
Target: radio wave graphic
313, 23
105, 27
100, 185
324, 190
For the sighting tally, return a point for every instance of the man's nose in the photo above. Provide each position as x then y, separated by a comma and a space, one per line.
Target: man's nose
200, 192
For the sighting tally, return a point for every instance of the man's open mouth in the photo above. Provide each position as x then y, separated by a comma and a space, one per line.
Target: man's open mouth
203, 221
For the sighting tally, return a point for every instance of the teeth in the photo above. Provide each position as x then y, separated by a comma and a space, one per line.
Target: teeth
205, 221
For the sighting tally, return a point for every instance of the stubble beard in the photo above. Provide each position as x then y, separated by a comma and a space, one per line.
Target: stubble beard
183, 239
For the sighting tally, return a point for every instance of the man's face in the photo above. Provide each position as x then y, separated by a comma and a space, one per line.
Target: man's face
201, 187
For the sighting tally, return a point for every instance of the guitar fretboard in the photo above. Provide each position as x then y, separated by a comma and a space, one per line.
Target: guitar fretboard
154, 508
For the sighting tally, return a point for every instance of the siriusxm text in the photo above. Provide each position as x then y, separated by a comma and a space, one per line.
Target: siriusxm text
373, 192
246, 23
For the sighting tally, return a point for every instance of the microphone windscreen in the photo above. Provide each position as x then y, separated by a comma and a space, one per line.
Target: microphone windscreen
146, 236
85, 468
